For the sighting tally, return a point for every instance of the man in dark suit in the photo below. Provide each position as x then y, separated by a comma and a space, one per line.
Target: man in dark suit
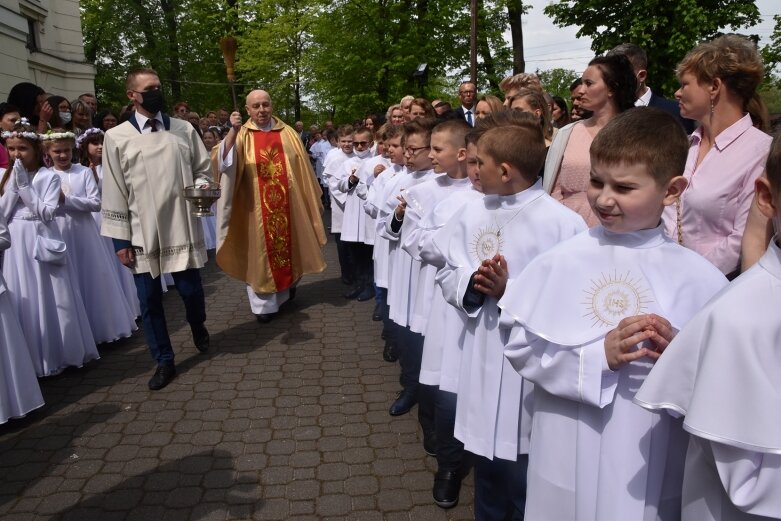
467, 93
645, 97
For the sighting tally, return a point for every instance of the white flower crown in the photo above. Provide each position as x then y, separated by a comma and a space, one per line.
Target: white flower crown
89, 132
6, 134
54, 136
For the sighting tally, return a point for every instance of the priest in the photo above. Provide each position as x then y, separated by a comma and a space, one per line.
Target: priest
270, 226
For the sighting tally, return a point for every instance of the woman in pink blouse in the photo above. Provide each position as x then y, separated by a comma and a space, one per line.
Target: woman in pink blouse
718, 81
608, 88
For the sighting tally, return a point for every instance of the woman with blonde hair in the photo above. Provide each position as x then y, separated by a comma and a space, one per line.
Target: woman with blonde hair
487, 104
719, 81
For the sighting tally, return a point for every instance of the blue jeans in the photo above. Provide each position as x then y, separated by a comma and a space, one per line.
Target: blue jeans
500, 488
150, 296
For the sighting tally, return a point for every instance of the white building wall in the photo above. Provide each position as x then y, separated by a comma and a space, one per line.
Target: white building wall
58, 65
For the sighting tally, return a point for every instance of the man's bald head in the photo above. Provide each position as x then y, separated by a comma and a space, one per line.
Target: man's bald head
259, 107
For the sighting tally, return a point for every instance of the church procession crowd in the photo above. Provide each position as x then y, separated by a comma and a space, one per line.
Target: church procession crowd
582, 298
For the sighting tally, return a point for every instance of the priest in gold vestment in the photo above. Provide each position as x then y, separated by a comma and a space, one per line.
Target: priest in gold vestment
270, 230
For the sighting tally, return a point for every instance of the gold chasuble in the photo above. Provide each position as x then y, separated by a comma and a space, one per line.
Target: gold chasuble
270, 225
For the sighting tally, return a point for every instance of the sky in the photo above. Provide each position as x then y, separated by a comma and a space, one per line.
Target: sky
548, 46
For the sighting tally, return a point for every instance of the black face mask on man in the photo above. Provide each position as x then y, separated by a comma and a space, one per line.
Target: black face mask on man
152, 100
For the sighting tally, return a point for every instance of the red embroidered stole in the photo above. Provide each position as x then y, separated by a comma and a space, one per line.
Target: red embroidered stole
273, 185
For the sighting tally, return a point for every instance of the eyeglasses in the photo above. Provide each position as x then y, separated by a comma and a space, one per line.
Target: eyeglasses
361, 143
414, 150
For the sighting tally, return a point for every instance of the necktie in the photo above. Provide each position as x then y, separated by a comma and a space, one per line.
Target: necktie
469, 117
153, 124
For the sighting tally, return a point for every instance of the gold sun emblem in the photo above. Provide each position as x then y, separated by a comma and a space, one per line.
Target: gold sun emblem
486, 243
613, 297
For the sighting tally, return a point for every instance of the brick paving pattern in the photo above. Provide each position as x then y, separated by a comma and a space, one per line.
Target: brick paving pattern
286, 420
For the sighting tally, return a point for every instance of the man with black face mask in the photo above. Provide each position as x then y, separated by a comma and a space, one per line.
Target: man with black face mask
147, 161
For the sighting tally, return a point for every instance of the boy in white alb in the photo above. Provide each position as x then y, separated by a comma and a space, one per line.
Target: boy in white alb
331, 167
353, 225
448, 156
385, 180
403, 270
366, 175
585, 322
722, 373
489, 241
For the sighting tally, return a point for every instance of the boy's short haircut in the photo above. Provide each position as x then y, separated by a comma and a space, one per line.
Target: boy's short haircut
503, 118
420, 127
329, 134
393, 131
364, 130
131, 76
382, 132
473, 136
520, 145
647, 136
773, 167
456, 128
344, 131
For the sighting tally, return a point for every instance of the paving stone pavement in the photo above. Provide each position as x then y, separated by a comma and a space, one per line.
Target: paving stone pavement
286, 420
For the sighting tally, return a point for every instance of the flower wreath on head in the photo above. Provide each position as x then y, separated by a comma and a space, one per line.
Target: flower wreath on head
55, 136
89, 132
33, 136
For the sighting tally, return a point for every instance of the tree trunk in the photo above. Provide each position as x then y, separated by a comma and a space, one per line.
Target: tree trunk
488, 61
515, 14
169, 15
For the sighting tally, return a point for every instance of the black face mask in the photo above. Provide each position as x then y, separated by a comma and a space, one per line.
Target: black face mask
152, 101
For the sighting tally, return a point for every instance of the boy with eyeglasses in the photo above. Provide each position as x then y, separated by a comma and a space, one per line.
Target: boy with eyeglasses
417, 140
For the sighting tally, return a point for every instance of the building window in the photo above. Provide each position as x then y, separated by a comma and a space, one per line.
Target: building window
32, 35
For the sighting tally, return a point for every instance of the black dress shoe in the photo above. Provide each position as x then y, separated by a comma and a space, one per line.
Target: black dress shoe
389, 352
447, 487
347, 281
265, 318
402, 405
366, 294
162, 377
377, 313
201, 339
353, 293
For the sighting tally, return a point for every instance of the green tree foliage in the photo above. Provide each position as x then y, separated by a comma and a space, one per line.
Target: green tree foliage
174, 37
666, 29
338, 60
771, 55
557, 81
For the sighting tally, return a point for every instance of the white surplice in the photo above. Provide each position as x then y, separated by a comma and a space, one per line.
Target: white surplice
444, 335
723, 373
332, 165
489, 419
376, 196
366, 179
595, 455
421, 200
403, 269
354, 220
